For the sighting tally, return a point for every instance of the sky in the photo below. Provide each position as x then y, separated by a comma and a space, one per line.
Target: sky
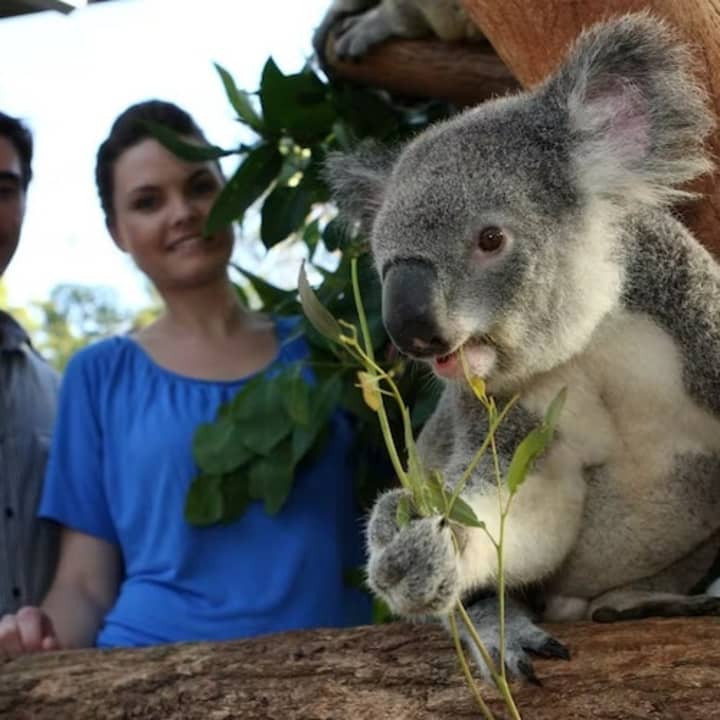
69, 76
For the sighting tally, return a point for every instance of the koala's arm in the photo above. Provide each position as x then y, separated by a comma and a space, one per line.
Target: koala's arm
544, 518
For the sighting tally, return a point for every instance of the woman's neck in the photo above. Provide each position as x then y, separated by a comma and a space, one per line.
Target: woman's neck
211, 312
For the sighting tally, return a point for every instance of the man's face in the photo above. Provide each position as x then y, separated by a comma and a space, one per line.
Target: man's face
12, 202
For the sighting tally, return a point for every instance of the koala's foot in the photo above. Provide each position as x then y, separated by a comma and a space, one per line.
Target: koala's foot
637, 604
415, 568
356, 34
522, 639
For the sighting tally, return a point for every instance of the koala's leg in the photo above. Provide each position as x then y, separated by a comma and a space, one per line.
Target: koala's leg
356, 34
664, 594
522, 638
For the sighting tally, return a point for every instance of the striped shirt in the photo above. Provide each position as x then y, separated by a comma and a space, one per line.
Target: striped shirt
28, 394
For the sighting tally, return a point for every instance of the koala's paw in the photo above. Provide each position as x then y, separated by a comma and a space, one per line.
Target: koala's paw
413, 568
522, 640
356, 34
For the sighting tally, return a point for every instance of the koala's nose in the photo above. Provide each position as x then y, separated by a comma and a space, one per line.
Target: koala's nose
408, 302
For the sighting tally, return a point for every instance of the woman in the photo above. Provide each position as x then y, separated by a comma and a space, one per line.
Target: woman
131, 570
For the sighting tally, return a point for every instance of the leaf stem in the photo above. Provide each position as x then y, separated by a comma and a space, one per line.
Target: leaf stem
498, 679
466, 669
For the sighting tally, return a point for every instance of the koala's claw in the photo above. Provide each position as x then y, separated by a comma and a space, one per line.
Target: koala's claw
522, 639
551, 648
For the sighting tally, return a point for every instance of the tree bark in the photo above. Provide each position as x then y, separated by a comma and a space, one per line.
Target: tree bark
647, 670
461, 73
533, 37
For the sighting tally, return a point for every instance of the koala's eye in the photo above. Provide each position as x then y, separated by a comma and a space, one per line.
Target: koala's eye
490, 239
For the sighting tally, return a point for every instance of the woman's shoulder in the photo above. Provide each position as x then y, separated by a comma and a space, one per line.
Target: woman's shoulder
102, 357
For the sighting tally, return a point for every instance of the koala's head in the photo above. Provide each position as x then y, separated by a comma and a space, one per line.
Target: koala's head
497, 231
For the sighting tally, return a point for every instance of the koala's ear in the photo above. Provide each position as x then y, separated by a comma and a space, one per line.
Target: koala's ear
357, 181
638, 119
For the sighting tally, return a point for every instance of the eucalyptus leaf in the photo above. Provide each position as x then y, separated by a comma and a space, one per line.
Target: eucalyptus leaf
240, 101
298, 104
320, 318
463, 514
437, 492
204, 502
283, 212
272, 478
525, 453
334, 234
255, 174
295, 393
219, 447
236, 494
403, 513
184, 149
553, 412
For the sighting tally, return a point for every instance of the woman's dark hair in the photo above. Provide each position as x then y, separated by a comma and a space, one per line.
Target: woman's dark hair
21, 139
128, 130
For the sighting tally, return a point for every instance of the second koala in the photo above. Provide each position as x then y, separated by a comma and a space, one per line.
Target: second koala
534, 232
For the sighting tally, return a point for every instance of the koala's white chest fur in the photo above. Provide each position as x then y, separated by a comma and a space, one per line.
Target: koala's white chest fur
629, 417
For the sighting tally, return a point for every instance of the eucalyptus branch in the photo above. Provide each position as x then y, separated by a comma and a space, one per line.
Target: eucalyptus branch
466, 669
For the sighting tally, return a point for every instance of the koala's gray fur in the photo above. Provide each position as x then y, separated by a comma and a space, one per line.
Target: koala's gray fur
358, 25
593, 285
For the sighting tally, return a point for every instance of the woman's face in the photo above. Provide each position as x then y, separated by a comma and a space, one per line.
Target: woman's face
160, 204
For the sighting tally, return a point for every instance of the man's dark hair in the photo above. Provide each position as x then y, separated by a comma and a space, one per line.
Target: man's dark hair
21, 138
128, 130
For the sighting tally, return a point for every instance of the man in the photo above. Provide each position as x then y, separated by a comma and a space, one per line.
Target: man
28, 392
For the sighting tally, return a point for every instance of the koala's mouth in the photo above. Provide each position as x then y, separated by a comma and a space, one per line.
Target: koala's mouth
480, 356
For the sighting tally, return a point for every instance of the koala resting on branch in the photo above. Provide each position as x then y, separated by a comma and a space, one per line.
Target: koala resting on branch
534, 232
359, 25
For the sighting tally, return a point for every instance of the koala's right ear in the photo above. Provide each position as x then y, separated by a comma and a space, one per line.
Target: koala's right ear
357, 181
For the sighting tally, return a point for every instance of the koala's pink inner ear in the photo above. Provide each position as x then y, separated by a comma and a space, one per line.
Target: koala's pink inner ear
617, 113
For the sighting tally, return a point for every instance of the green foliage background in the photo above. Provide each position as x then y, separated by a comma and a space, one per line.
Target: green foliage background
252, 449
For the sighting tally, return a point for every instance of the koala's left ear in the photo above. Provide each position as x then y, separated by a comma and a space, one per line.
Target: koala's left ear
357, 181
638, 119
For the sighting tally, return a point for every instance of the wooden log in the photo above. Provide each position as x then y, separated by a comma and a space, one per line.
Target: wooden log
646, 670
533, 37
461, 73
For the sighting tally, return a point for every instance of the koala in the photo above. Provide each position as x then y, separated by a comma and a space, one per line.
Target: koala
534, 232
358, 25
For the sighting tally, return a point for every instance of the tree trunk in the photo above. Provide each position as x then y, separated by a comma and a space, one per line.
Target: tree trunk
532, 38
648, 670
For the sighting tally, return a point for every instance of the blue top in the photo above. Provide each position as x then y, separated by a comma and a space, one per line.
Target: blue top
120, 467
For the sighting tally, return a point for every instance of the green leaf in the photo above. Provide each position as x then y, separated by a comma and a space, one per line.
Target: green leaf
267, 429
436, 491
240, 100
298, 104
311, 235
334, 234
184, 149
295, 393
553, 412
236, 494
219, 447
523, 457
283, 212
250, 181
534, 444
272, 477
403, 513
320, 318
463, 514
204, 502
